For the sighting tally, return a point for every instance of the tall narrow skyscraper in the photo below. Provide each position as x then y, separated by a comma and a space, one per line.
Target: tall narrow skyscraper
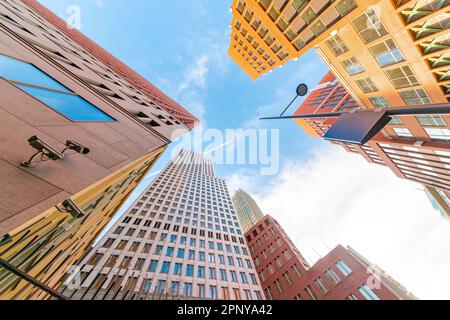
180, 239
247, 210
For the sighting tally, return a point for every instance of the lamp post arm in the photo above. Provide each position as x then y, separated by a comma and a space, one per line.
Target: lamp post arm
289, 105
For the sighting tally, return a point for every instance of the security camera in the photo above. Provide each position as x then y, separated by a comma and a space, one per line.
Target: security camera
70, 207
44, 150
75, 146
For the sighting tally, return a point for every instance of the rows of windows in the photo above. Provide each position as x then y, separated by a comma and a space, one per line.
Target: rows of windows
370, 28
46, 38
49, 91
175, 288
320, 286
300, 24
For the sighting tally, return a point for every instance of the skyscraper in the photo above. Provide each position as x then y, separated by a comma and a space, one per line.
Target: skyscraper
342, 274
77, 132
180, 239
247, 210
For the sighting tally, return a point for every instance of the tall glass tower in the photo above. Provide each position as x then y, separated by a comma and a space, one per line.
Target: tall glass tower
180, 240
247, 210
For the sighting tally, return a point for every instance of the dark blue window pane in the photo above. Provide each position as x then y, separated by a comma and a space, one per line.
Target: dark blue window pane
71, 106
16, 70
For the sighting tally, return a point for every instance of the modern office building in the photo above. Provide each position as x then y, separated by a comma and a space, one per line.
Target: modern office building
266, 34
93, 131
342, 274
419, 157
381, 53
247, 210
329, 96
181, 239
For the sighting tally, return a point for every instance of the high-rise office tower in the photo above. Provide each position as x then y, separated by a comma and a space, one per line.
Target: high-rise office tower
343, 274
60, 92
247, 210
180, 239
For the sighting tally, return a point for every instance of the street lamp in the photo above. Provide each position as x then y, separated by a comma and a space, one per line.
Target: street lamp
358, 127
302, 90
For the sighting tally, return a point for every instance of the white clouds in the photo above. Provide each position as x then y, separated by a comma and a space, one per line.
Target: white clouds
196, 74
337, 197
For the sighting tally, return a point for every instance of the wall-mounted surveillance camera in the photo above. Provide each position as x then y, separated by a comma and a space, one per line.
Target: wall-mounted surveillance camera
75, 146
70, 207
46, 151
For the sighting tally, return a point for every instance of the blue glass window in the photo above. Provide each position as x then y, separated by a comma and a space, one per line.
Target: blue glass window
20, 71
71, 106
42, 87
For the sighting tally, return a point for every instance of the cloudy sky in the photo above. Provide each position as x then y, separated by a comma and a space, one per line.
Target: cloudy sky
323, 195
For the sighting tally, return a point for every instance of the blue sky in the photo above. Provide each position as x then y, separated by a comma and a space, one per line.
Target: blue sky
180, 46
322, 195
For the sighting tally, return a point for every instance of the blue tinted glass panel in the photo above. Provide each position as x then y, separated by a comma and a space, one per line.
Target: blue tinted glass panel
71, 106
16, 70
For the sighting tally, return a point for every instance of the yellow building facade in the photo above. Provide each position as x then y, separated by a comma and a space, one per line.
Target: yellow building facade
48, 246
265, 34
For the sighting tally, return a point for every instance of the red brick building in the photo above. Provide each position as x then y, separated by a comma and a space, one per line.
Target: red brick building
342, 275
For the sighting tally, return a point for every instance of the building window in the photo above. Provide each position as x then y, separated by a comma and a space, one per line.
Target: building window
161, 286
299, 4
369, 26
368, 293
342, 266
402, 77
309, 15
366, 85
287, 278
213, 292
352, 297
345, 6
396, 121
352, 66
188, 289
269, 293
318, 27
387, 53
201, 291
321, 285
438, 134
414, 97
49, 91
379, 102
333, 276
403, 132
278, 286
336, 45
310, 293
165, 267
431, 121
